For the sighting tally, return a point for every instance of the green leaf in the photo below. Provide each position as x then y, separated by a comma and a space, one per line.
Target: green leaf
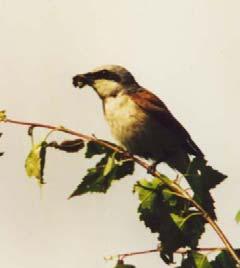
69, 146
237, 217
156, 215
195, 260
3, 115
100, 178
200, 260
202, 178
191, 223
35, 162
94, 148
223, 260
177, 224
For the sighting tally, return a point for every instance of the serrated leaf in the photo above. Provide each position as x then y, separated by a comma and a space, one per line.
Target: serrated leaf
156, 215
35, 162
100, 178
69, 146
237, 217
94, 148
168, 215
202, 178
211, 176
3, 115
193, 229
195, 260
200, 260
223, 260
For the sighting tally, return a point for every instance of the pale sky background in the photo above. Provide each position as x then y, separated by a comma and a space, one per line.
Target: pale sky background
186, 51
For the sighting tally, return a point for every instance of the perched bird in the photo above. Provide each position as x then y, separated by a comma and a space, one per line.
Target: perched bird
138, 119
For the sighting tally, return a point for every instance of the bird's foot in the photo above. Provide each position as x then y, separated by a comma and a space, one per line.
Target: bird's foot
126, 156
152, 168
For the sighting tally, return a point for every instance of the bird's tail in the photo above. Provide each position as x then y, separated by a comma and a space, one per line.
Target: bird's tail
193, 149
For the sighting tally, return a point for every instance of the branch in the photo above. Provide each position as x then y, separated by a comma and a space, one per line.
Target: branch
181, 251
172, 184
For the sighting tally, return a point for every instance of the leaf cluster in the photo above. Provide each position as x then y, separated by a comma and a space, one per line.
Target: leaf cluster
176, 222
202, 178
111, 167
175, 219
35, 161
197, 260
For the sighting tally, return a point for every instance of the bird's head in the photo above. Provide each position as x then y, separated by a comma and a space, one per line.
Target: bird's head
107, 80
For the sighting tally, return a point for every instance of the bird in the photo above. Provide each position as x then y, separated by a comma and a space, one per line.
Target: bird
140, 121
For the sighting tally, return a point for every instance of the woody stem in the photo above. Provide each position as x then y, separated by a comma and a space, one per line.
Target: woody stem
173, 185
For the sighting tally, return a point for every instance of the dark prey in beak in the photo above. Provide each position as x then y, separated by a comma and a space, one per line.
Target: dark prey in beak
79, 81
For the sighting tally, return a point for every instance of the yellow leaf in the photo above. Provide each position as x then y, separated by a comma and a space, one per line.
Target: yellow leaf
3, 116
35, 161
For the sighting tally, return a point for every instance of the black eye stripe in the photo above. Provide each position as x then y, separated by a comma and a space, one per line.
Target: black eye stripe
105, 74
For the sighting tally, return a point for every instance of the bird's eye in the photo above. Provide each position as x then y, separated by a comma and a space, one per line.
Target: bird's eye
104, 72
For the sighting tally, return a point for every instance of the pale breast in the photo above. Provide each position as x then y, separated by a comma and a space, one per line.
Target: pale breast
134, 129
124, 117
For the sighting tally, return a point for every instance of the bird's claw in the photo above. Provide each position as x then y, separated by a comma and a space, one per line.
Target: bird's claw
152, 168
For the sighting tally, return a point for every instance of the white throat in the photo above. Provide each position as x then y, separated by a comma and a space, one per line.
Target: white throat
106, 88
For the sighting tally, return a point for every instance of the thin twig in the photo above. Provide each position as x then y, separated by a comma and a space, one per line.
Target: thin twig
181, 251
172, 184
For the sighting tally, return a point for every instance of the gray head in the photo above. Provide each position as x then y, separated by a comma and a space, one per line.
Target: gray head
107, 80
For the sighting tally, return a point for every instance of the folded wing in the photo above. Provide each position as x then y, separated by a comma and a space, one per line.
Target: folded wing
154, 106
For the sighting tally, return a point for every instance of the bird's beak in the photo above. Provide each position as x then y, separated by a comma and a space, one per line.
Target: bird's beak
80, 80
